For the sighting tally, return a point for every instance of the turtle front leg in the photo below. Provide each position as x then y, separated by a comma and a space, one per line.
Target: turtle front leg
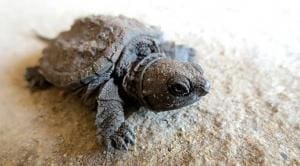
110, 121
36, 81
178, 52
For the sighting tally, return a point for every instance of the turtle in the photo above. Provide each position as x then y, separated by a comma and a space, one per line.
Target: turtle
114, 63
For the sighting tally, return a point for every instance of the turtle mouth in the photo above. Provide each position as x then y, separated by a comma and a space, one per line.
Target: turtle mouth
173, 106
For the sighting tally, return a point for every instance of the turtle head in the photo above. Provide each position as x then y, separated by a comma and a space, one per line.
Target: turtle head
166, 84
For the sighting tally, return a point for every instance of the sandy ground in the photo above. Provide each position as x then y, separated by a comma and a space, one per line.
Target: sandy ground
249, 51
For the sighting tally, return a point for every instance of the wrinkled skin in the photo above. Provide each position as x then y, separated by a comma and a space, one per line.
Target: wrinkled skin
166, 84
149, 72
176, 85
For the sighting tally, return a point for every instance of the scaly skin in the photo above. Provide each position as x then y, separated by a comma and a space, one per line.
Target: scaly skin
110, 120
148, 72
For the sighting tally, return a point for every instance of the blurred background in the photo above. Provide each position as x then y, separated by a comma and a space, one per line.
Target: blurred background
250, 50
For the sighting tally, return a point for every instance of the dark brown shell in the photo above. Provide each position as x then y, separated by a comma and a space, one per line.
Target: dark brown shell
90, 48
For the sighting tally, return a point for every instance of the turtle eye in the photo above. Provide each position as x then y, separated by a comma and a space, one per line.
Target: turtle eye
179, 86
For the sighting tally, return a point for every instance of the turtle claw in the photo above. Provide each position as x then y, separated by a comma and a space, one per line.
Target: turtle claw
129, 140
118, 142
35, 79
123, 138
126, 131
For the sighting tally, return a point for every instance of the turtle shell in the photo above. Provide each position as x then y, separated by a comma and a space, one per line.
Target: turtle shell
90, 48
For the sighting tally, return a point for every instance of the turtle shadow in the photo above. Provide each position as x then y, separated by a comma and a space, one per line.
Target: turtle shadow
58, 119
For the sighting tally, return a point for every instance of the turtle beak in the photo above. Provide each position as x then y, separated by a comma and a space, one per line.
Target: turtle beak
204, 87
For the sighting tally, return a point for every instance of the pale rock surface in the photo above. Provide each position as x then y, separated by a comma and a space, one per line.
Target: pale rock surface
249, 51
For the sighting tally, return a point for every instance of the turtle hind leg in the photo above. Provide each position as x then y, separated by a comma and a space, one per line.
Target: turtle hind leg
36, 81
178, 52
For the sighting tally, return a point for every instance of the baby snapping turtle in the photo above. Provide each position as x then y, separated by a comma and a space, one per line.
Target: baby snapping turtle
114, 63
